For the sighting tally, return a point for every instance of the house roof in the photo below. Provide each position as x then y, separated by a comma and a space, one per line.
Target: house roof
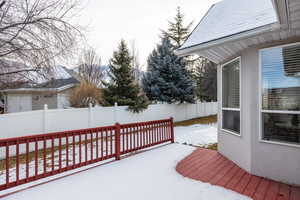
230, 17
57, 79
233, 26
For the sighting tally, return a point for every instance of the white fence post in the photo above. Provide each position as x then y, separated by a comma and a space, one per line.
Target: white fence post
45, 118
90, 117
185, 110
116, 112
196, 114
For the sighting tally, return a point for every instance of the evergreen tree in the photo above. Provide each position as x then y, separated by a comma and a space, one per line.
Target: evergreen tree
205, 75
166, 79
123, 88
201, 70
177, 31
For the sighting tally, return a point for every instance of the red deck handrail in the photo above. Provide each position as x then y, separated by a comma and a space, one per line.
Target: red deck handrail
29, 158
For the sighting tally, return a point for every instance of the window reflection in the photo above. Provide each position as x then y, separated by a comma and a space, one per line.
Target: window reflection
281, 127
231, 121
281, 78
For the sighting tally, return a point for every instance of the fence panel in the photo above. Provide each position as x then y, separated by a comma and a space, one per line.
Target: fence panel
47, 121
50, 154
20, 124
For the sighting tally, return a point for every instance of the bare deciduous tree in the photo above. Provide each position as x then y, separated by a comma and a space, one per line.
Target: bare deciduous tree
136, 65
89, 68
37, 32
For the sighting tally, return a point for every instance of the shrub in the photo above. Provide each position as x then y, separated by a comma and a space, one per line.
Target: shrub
84, 94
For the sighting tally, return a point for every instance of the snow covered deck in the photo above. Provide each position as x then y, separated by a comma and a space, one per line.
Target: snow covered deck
149, 175
210, 166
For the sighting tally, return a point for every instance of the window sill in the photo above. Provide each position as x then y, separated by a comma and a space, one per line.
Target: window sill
231, 132
280, 143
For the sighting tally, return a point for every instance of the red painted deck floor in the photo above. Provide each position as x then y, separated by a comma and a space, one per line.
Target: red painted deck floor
210, 166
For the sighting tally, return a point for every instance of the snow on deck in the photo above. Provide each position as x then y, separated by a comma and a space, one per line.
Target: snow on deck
198, 135
148, 176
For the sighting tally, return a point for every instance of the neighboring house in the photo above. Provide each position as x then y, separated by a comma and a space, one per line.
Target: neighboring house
256, 44
33, 96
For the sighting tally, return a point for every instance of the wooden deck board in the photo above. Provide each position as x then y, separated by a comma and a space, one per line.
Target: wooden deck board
295, 193
261, 190
210, 166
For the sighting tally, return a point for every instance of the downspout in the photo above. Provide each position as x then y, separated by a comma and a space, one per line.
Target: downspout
287, 10
275, 5
285, 21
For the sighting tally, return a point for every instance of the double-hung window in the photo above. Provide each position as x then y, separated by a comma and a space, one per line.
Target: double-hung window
280, 94
231, 96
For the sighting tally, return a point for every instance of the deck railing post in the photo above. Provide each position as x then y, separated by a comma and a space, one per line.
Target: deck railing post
118, 141
45, 118
172, 130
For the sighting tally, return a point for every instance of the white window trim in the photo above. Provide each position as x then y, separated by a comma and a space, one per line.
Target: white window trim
232, 109
261, 111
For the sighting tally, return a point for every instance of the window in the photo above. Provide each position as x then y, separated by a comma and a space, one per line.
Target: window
280, 94
231, 96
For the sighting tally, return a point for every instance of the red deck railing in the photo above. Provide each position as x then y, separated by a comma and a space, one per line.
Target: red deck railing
26, 159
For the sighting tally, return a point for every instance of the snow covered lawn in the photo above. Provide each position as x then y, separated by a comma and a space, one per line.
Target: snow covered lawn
149, 176
198, 135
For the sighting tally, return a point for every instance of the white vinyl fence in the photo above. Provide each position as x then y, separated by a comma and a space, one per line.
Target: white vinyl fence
47, 121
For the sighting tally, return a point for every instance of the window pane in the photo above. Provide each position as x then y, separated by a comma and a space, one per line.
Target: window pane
281, 127
281, 78
231, 120
231, 85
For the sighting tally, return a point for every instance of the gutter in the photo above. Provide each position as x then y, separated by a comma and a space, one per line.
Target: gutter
238, 36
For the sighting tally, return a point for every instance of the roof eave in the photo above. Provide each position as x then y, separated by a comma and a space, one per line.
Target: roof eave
196, 49
65, 87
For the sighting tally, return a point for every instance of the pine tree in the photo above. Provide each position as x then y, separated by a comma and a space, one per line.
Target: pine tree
201, 70
177, 31
166, 79
205, 75
123, 88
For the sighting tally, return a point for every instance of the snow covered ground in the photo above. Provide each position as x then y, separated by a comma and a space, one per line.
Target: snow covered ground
148, 176
108, 149
198, 135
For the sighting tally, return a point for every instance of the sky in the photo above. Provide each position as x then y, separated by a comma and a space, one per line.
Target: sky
138, 21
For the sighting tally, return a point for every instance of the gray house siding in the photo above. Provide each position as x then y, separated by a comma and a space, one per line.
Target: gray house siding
63, 99
18, 102
237, 148
39, 100
275, 161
